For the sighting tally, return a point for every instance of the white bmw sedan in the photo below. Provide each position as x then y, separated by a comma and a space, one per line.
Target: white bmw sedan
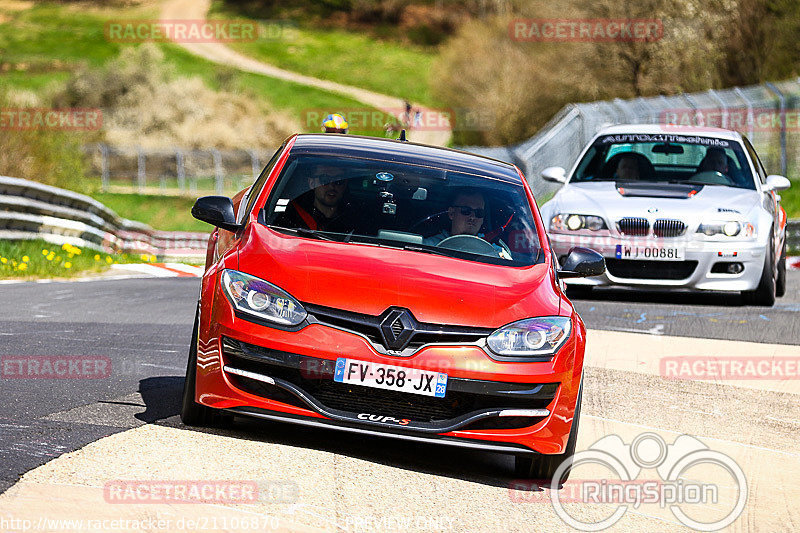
673, 207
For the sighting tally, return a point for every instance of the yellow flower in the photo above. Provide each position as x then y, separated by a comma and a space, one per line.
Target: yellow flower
97, 257
3, 260
25, 258
109, 260
64, 246
23, 266
50, 256
145, 257
45, 252
152, 258
67, 265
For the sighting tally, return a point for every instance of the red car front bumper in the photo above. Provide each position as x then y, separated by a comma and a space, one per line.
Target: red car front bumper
299, 387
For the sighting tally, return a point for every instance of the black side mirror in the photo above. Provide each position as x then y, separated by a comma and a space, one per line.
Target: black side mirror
217, 211
582, 263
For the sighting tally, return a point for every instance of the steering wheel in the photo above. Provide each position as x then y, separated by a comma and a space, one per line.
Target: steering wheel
425, 219
713, 177
468, 243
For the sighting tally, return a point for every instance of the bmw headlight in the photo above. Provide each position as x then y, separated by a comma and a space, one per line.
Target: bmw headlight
531, 336
729, 228
261, 299
575, 222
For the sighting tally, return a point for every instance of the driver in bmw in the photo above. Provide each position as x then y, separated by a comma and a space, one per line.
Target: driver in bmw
466, 212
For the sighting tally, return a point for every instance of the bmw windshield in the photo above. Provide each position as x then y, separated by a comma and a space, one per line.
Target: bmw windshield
412, 207
659, 158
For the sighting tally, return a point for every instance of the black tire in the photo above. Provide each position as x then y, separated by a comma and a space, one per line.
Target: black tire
780, 283
543, 467
764, 295
193, 413
579, 291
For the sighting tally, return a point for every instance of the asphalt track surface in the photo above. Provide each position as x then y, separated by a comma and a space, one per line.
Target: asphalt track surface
143, 327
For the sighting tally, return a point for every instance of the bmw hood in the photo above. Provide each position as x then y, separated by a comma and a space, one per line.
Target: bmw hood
692, 205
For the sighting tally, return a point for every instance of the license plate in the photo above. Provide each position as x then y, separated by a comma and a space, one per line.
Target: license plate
380, 376
651, 253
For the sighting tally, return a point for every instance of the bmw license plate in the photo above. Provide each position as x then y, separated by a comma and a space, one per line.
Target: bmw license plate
651, 253
380, 376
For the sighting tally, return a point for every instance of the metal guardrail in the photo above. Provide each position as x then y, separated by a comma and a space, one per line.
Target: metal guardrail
793, 237
31, 210
766, 113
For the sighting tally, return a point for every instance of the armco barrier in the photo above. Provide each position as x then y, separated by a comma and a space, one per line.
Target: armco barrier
31, 210
793, 237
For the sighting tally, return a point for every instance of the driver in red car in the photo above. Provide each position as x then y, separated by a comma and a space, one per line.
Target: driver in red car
324, 207
467, 212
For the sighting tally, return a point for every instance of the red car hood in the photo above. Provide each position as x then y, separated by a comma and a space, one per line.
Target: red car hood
368, 279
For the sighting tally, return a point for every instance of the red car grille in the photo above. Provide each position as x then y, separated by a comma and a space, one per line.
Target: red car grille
315, 378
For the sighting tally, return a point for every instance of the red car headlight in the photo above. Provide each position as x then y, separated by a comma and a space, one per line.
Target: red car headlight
531, 337
261, 299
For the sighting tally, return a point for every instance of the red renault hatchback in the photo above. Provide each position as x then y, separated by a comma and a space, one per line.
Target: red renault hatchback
389, 288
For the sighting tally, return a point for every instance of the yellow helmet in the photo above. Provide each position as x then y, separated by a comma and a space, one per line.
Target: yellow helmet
334, 123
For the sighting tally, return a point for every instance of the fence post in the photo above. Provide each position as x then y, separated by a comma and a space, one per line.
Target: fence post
750, 117
782, 99
141, 176
691, 103
180, 170
724, 108
255, 164
104, 167
218, 177
623, 106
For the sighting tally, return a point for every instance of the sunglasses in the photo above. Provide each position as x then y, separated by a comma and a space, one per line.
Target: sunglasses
467, 211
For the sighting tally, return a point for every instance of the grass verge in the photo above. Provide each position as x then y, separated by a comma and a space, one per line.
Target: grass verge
39, 259
43, 44
351, 58
790, 200
167, 213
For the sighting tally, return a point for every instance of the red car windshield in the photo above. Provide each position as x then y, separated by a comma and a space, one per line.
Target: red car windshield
418, 208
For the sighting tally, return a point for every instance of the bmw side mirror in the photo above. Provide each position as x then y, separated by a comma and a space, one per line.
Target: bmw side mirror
217, 211
555, 174
777, 183
582, 263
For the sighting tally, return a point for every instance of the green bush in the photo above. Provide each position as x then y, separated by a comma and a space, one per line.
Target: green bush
44, 155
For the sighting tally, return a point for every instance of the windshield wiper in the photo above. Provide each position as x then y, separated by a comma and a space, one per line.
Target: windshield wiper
305, 232
415, 248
